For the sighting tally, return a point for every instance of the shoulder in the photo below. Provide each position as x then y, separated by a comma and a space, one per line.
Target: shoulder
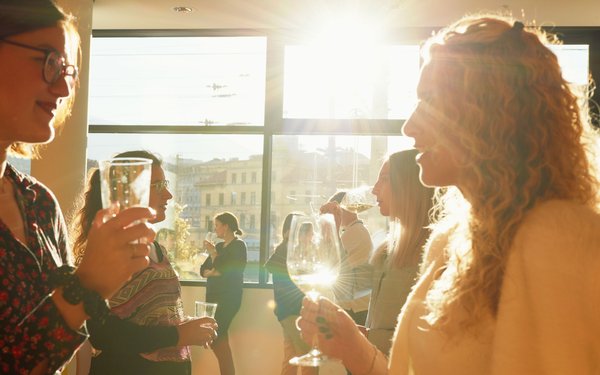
558, 231
31, 188
239, 243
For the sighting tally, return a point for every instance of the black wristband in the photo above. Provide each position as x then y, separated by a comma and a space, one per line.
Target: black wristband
74, 293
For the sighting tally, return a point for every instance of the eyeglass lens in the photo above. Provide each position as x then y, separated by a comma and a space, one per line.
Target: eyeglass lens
55, 67
161, 185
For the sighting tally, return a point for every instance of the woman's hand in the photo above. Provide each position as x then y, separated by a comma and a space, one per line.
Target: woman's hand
210, 247
197, 331
212, 272
110, 257
338, 335
334, 209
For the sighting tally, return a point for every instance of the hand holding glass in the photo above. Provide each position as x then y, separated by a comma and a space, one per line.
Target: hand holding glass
313, 262
359, 199
205, 309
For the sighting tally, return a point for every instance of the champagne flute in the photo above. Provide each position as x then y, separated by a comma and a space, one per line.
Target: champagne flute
313, 262
359, 199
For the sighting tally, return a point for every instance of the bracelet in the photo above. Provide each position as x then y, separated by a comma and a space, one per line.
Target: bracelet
74, 293
375, 352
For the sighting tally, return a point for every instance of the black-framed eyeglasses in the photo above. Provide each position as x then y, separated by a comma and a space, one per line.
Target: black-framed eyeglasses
54, 63
160, 185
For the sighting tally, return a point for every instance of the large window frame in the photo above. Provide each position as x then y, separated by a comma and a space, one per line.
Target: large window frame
274, 122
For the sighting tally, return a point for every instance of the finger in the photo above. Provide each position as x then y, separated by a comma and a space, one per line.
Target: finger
130, 215
139, 250
207, 320
141, 231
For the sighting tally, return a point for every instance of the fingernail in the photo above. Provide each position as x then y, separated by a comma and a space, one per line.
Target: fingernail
321, 320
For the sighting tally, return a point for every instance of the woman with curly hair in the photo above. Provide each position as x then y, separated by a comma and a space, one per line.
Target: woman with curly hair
510, 281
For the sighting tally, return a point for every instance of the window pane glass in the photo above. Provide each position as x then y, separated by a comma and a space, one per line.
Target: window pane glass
178, 81
198, 167
378, 83
309, 169
574, 62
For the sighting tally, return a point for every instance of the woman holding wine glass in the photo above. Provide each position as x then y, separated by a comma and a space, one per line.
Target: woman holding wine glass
146, 331
224, 271
509, 280
407, 203
44, 301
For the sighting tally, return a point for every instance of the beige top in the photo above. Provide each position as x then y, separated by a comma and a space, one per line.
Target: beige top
548, 318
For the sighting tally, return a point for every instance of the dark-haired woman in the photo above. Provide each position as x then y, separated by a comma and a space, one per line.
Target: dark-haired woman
224, 271
146, 331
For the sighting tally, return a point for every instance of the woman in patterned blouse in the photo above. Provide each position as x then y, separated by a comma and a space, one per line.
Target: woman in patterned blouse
40, 324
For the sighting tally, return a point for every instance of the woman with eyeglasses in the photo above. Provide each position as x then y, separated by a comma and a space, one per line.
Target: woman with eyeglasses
44, 301
146, 331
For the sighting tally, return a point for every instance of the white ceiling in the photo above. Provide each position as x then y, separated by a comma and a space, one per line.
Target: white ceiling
216, 14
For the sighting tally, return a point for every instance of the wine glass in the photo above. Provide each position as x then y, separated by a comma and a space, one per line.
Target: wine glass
359, 199
210, 237
313, 262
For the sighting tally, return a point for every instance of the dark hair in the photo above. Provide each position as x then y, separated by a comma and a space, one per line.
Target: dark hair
141, 154
21, 16
91, 203
231, 221
287, 224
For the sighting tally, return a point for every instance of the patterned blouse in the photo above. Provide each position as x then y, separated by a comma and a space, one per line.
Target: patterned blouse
31, 328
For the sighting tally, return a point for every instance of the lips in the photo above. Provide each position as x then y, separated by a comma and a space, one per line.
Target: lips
48, 107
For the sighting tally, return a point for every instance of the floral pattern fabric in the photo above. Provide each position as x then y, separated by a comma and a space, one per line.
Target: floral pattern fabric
32, 330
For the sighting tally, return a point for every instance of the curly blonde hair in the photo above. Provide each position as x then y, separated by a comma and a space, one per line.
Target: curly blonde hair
506, 103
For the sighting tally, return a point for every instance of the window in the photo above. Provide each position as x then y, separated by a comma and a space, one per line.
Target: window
176, 81
348, 83
197, 166
199, 102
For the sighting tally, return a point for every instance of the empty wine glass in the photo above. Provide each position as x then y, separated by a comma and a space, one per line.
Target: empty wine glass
359, 199
211, 237
313, 262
